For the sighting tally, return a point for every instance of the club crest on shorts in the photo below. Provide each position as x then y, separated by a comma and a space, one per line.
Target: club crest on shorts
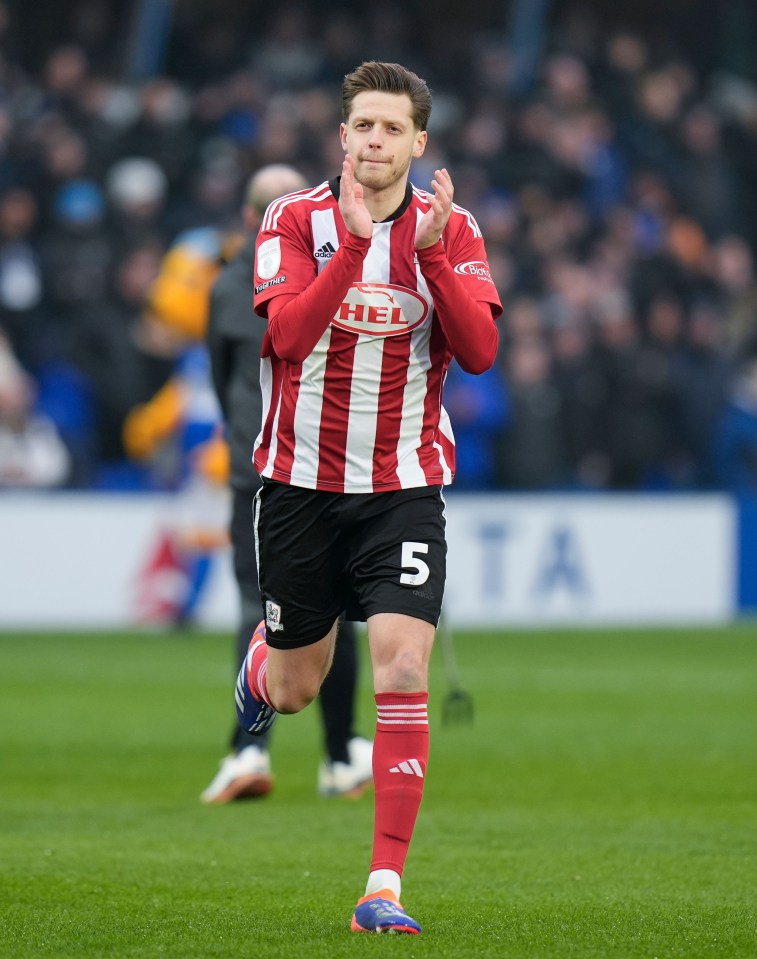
273, 616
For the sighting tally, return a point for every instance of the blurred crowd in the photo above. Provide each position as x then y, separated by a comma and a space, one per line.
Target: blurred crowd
616, 189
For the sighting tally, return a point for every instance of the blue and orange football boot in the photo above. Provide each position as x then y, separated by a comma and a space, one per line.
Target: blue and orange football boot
382, 912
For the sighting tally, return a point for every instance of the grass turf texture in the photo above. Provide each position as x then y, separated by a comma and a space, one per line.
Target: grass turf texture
601, 805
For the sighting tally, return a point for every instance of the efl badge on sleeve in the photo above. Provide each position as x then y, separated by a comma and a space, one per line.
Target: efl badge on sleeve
269, 258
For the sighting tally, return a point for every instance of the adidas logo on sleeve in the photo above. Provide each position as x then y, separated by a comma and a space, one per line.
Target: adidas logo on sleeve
325, 252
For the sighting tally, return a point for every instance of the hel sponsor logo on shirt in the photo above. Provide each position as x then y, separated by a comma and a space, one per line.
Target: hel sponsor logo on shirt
380, 309
474, 268
269, 258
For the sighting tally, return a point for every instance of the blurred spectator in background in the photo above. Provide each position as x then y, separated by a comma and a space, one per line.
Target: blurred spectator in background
32, 454
125, 358
166, 429
584, 394
736, 283
734, 445
22, 315
136, 188
77, 252
171, 436
479, 406
702, 373
640, 423
531, 451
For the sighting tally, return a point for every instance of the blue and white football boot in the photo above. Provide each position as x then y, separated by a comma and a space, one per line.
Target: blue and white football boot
254, 715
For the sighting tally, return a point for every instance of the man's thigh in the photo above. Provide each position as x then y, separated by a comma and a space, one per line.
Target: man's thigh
301, 562
398, 556
321, 553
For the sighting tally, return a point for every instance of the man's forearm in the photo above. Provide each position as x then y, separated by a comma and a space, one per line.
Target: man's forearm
467, 323
297, 321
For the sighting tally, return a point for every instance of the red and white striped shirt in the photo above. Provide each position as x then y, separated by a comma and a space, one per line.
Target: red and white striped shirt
361, 333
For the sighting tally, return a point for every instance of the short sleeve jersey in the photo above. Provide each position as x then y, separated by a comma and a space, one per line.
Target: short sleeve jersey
363, 413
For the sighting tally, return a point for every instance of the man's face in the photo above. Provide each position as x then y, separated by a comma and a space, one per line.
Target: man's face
381, 138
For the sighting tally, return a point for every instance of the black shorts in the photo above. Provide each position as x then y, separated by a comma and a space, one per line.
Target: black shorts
323, 554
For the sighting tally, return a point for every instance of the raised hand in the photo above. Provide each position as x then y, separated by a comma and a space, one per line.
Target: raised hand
432, 224
354, 212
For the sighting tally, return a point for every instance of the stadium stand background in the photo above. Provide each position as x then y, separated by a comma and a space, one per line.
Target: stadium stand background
607, 154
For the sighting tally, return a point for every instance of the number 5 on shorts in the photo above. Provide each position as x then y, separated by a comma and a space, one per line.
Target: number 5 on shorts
410, 561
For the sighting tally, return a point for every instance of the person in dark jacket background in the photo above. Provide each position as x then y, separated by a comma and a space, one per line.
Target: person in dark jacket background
734, 443
234, 337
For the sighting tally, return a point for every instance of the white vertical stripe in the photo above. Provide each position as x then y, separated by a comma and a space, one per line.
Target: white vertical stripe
274, 444
307, 415
324, 231
376, 266
266, 389
366, 376
255, 524
363, 417
445, 428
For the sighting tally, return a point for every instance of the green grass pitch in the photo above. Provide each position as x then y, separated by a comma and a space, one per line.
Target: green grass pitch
602, 804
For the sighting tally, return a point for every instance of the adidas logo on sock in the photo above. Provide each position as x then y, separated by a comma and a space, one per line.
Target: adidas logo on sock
326, 251
410, 767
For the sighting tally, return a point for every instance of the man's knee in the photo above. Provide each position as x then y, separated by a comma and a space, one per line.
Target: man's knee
288, 697
294, 676
406, 671
400, 652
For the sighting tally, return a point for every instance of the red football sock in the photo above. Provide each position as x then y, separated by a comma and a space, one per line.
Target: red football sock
257, 665
400, 756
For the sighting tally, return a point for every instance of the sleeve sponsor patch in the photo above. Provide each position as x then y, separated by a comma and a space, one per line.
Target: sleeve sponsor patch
269, 258
477, 268
275, 282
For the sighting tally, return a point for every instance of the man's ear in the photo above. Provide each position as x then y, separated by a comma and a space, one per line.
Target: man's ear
420, 143
343, 136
